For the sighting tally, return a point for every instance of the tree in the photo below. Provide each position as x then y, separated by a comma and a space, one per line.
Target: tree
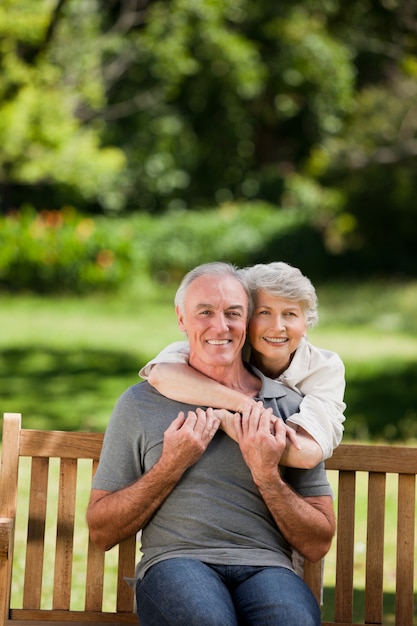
140, 105
43, 141
229, 96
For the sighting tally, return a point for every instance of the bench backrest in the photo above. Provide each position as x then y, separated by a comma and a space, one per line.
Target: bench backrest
54, 555
377, 467
70, 448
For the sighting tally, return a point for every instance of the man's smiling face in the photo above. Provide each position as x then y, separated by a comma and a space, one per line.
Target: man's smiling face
214, 319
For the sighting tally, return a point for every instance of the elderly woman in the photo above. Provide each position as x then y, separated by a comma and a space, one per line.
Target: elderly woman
285, 306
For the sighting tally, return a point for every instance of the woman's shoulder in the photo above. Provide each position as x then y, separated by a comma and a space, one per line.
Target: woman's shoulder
316, 354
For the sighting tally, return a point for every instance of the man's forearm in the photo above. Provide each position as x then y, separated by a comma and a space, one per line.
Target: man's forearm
115, 516
308, 524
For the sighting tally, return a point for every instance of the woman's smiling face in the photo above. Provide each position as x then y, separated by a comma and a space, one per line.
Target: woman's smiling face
275, 331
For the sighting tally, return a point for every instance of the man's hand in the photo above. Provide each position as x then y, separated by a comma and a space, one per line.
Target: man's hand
261, 445
186, 439
116, 515
308, 524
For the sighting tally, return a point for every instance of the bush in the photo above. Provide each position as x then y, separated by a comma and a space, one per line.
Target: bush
55, 251
240, 234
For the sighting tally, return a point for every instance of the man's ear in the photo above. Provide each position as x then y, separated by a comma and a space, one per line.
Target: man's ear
181, 320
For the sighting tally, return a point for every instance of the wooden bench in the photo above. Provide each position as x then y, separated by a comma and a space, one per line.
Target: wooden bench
25, 510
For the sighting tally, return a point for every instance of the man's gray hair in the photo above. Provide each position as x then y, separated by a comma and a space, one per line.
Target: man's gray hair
285, 281
216, 268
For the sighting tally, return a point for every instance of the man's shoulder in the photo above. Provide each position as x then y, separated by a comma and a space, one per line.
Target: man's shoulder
136, 392
143, 395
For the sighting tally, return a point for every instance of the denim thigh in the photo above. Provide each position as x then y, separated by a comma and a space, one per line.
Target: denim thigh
275, 596
184, 592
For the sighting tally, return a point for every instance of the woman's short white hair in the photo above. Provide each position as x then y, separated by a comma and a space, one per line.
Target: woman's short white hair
216, 268
285, 281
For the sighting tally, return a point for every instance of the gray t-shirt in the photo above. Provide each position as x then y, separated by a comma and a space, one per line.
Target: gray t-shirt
215, 513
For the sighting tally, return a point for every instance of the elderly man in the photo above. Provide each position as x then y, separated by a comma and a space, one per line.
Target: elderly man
218, 518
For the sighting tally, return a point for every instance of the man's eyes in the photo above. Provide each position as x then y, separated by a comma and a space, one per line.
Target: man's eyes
228, 313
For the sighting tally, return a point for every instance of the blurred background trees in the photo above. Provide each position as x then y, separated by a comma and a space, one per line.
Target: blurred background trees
139, 138
172, 109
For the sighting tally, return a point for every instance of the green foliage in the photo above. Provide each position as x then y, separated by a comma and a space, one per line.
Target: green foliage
55, 251
239, 234
394, 389
232, 76
160, 108
315, 64
42, 138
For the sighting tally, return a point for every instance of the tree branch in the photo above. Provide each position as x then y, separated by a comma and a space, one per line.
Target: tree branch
132, 13
30, 54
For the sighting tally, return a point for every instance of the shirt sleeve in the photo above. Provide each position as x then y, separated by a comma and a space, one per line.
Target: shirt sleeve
309, 482
177, 352
120, 462
321, 411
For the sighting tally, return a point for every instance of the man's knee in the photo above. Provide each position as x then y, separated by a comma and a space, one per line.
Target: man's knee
307, 616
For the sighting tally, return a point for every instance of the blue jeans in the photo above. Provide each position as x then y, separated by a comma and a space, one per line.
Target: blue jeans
186, 592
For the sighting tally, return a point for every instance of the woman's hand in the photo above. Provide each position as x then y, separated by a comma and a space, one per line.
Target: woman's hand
227, 424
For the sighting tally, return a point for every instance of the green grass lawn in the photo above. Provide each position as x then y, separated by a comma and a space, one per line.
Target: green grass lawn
64, 361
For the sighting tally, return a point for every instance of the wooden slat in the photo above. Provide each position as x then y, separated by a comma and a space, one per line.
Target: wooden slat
126, 569
95, 571
375, 549
313, 577
404, 597
8, 500
94, 578
9, 465
396, 459
21, 617
55, 443
345, 547
365, 458
338, 624
36, 534
65, 534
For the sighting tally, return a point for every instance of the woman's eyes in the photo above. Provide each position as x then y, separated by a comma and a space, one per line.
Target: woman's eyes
285, 313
